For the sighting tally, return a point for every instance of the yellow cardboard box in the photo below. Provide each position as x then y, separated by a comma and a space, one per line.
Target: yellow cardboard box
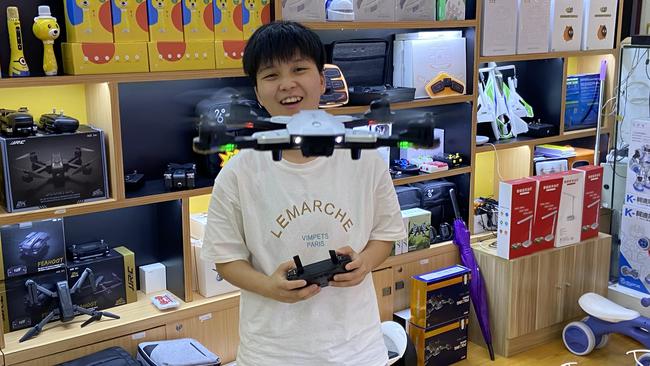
229, 54
228, 20
165, 20
171, 56
104, 58
255, 13
198, 20
130, 23
88, 21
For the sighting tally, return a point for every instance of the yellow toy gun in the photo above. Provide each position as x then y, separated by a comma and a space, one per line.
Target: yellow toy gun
47, 30
18, 65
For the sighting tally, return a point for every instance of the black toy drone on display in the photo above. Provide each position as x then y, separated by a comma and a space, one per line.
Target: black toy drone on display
65, 308
314, 132
57, 167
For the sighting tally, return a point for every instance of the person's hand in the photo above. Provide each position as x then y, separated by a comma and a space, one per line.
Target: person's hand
283, 290
358, 269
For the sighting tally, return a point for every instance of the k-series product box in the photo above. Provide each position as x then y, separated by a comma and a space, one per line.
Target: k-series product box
547, 210
566, 25
173, 56
499, 34
374, 10
593, 188
165, 20
637, 186
114, 276
415, 10
228, 20
255, 14
31, 247
88, 21
48, 170
229, 54
600, 24
569, 221
198, 20
419, 228
533, 23
440, 296
17, 311
443, 345
303, 10
635, 243
130, 23
516, 214
104, 58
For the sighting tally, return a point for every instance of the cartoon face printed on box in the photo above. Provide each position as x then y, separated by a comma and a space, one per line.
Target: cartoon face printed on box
198, 23
88, 20
103, 58
228, 23
255, 14
165, 20
130, 22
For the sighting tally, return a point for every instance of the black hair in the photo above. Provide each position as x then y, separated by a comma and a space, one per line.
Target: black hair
280, 41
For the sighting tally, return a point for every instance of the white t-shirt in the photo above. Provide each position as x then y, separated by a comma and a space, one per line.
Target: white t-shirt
266, 212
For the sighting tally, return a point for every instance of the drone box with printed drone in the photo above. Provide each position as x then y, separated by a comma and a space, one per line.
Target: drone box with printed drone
634, 269
31, 247
17, 311
418, 228
114, 277
47, 170
443, 345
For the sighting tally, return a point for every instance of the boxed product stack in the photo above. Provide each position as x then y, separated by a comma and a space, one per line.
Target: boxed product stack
440, 315
234, 23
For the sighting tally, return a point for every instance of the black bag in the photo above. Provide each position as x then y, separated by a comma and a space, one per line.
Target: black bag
408, 197
435, 198
364, 62
114, 356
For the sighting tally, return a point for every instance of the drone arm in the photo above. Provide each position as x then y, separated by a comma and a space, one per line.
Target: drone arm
38, 327
87, 273
34, 288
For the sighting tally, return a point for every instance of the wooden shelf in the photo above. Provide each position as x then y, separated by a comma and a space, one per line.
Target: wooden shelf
391, 25
43, 81
418, 103
543, 56
529, 141
436, 175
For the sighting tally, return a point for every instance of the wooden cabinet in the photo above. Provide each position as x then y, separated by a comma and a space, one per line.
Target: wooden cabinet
383, 281
531, 298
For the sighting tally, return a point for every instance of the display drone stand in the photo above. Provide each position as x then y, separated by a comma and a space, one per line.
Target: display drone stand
66, 309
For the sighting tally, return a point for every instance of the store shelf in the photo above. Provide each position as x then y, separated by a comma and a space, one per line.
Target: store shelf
391, 25
43, 81
418, 103
429, 176
542, 56
529, 141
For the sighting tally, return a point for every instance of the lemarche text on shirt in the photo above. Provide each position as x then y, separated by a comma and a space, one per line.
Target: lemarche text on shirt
314, 207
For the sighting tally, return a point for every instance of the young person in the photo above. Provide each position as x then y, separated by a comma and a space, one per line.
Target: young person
262, 213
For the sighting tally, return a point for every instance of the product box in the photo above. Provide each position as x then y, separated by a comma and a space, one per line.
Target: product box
114, 276
450, 10
53, 169
20, 313
401, 246
635, 244
374, 10
31, 247
533, 23
637, 183
228, 20
516, 214
600, 24
415, 10
88, 21
569, 221
444, 345
104, 58
303, 10
130, 22
593, 188
255, 14
547, 209
210, 282
566, 25
165, 20
229, 54
419, 228
153, 278
197, 225
440, 296
499, 34
174, 56
198, 20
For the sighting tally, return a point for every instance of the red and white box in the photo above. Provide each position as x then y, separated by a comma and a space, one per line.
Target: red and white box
516, 214
593, 177
547, 209
569, 221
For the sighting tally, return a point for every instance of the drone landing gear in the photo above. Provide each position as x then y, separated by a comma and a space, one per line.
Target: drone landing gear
38, 327
94, 315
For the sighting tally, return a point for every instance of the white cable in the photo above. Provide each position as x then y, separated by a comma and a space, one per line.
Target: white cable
496, 156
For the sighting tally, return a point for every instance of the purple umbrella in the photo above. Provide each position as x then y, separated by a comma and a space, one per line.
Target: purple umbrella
477, 290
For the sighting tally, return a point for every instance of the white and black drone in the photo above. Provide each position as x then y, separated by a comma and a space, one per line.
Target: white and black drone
314, 132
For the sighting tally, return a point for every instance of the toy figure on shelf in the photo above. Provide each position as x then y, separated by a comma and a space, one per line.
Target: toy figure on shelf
47, 30
17, 64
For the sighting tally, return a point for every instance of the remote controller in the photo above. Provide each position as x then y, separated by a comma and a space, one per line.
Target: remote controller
319, 273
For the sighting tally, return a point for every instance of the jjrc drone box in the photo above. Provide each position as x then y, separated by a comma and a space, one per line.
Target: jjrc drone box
547, 208
566, 25
442, 345
88, 21
31, 247
635, 246
637, 187
114, 278
228, 20
18, 312
570, 220
415, 10
533, 24
440, 296
593, 188
418, 229
198, 20
303, 10
130, 23
165, 20
374, 10
48, 170
516, 213
104, 58
600, 24
499, 34
255, 14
